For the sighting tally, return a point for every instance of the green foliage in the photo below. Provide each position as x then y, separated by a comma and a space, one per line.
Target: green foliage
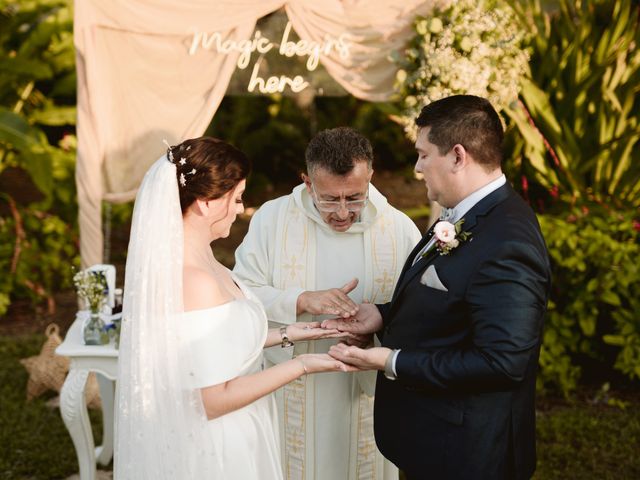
593, 316
578, 126
37, 155
35, 442
38, 250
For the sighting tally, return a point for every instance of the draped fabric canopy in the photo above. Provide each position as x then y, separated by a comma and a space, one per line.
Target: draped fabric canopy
138, 84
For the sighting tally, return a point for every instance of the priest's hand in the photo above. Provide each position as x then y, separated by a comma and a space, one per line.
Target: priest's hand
334, 301
367, 320
363, 359
301, 331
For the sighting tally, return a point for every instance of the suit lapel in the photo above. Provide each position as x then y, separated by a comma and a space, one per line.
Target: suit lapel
409, 262
480, 209
484, 206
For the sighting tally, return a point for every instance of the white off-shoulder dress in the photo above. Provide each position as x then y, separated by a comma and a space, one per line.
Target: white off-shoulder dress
225, 342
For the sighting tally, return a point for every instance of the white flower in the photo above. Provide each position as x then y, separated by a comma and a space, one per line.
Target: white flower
91, 287
469, 48
410, 101
435, 25
421, 27
445, 231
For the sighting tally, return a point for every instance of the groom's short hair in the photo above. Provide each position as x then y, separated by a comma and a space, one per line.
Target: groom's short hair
337, 150
466, 120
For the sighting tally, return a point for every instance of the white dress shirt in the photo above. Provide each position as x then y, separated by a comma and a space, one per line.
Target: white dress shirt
453, 215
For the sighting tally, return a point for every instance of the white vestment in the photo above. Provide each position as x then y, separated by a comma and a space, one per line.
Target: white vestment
326, 420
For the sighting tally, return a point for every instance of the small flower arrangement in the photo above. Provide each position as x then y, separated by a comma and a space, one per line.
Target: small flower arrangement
448, 236
91, 287
469, 47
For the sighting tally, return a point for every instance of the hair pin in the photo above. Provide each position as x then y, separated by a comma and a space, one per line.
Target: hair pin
169, 150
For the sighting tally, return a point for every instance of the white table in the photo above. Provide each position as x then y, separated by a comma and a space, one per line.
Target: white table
102, 359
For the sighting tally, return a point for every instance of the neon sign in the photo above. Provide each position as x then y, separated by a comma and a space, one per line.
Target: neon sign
262, 45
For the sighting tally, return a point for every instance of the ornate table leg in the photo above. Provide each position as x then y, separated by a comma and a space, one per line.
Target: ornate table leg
105, 451
74, 414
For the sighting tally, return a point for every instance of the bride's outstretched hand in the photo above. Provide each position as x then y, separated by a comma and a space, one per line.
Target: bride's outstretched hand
301, 331
322, 362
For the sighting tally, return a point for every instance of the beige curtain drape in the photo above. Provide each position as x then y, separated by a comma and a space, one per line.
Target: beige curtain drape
137, 84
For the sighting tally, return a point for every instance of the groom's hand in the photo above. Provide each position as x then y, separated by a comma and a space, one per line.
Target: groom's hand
366, 320
369, 359
359, 340
334, 301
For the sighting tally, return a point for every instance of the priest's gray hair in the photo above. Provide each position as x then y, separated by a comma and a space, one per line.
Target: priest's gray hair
337, 150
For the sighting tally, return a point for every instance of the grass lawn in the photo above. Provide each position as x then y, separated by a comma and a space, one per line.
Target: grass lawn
576, 440
34, 443
580, 440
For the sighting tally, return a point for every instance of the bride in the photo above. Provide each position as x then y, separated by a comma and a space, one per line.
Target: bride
193, 401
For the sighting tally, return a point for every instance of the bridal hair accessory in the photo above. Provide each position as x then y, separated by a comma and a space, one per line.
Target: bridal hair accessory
183, 178
169, 150
182, 162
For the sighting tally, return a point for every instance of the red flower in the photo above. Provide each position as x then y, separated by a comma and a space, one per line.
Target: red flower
636, 225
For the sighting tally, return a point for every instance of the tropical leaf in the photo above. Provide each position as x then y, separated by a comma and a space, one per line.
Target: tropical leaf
65, 86
38, 163
15, 132
34, 69
55, 116
583, 99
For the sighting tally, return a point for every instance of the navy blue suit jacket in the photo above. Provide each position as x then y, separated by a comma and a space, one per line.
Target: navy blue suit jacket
462, 406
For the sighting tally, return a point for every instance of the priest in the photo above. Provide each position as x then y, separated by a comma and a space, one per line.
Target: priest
331, 244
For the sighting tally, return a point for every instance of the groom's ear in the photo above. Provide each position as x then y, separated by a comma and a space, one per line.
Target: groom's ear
460, 157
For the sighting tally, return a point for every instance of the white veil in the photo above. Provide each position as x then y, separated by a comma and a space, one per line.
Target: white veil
161, 427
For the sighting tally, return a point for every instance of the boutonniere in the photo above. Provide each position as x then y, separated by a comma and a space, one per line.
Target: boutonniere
448, 236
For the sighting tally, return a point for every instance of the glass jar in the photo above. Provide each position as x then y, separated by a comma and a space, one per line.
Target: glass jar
93, 331
118, 324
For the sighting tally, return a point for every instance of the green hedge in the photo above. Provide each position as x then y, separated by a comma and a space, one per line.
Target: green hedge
593, 323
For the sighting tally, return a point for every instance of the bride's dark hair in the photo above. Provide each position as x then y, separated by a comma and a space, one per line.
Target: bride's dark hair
207, 168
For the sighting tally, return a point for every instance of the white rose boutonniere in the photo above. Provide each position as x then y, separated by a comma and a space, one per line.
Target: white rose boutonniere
449, 236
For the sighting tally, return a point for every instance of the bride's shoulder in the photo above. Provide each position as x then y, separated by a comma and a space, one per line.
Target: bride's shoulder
202, 289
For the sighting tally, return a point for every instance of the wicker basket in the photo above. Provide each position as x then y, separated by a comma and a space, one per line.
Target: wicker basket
48, 371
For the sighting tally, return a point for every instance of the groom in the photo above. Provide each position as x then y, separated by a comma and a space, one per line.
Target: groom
461, 335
